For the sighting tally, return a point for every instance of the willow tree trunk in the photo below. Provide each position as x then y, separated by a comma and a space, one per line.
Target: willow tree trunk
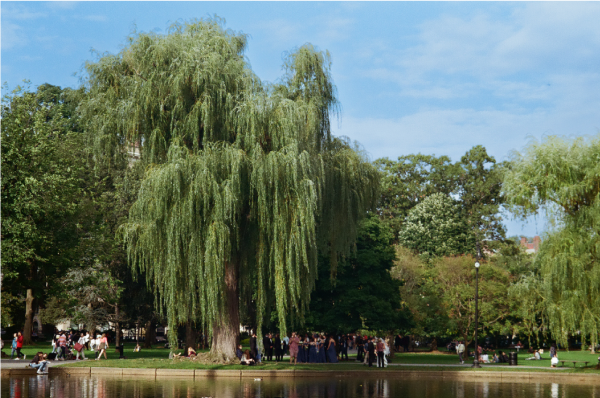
190, 336
150, 334
226, 330
28, 318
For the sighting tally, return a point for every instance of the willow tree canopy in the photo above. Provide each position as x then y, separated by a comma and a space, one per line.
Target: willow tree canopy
562, 176
244, 182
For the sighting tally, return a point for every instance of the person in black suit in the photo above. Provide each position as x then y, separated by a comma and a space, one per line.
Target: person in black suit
278, 351
268, 344
371, 352
253, 348
360, 349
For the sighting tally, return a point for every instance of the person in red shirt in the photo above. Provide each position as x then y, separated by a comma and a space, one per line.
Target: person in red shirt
62, 343
20, 345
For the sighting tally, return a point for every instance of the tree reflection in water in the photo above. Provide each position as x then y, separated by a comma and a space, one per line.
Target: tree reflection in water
332, 387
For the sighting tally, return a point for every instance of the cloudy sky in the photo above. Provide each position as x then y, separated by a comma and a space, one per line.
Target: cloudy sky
435, 78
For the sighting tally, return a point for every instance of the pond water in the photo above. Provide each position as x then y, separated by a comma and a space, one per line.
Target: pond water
107, 387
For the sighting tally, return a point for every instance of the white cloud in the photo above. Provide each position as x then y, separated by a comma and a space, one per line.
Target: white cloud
62, 5
20, 13
12, 36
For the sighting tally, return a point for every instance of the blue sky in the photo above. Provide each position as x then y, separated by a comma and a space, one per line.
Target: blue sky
429, 77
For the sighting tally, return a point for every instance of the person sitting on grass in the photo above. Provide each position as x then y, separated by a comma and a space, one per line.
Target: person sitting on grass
40, 363
191, 352
137, 348
239, 353
502, 357
536, 356
247, 359
495, 359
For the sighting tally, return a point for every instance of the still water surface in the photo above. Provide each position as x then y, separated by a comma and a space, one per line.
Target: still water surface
106, 387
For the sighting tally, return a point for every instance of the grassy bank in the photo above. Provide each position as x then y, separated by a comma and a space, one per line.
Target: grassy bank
158, 357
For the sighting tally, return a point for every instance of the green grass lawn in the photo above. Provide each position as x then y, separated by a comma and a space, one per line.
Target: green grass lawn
158, 357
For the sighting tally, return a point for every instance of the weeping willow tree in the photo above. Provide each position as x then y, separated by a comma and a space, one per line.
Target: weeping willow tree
244, 182
563, 177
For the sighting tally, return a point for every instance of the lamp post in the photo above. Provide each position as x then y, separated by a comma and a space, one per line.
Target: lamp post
476, 360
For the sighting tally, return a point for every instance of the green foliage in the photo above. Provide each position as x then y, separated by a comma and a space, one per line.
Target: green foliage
441, 295
480, 185
42, 175
408, 181
436, 227
561, 176
363, 295
475, 181
244, 180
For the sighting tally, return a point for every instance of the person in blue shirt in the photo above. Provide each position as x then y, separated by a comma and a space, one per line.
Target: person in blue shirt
14, 347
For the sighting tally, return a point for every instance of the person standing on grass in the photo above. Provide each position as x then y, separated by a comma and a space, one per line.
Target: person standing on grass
86, 339
380, 348
62, 347
80, 347
371, 353
13, 351
253, 347
286, 346
278, 351
20, 346
294, 341
460, 350
103, 346
344, 347
360, 348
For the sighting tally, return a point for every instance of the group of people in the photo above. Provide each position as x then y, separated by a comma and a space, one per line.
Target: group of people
316, 348
17, 345
64, 343
372, 349
502, 357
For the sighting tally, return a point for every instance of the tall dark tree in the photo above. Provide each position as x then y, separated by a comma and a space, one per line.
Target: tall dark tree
480, 190
364, 295
244, 181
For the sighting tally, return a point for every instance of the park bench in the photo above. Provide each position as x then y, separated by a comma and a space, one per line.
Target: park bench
575, 363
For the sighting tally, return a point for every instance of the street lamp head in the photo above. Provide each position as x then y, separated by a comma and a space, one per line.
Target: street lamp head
476, 264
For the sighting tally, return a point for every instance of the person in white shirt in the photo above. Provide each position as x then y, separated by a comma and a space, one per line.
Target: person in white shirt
460, 350
94, 345
86, 338
81, 341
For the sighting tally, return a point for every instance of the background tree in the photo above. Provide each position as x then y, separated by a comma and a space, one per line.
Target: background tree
408, 181
480, 190
436, 227
363, 295
562, 176
243, 179
441, 296
43, 167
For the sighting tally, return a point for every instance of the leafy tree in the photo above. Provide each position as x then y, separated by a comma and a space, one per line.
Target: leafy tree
441, 295
408, 181
562, 176
42, 174
480, 186
435, 227
363, 295
244, 181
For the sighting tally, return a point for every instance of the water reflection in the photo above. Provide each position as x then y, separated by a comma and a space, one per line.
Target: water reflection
334, 387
